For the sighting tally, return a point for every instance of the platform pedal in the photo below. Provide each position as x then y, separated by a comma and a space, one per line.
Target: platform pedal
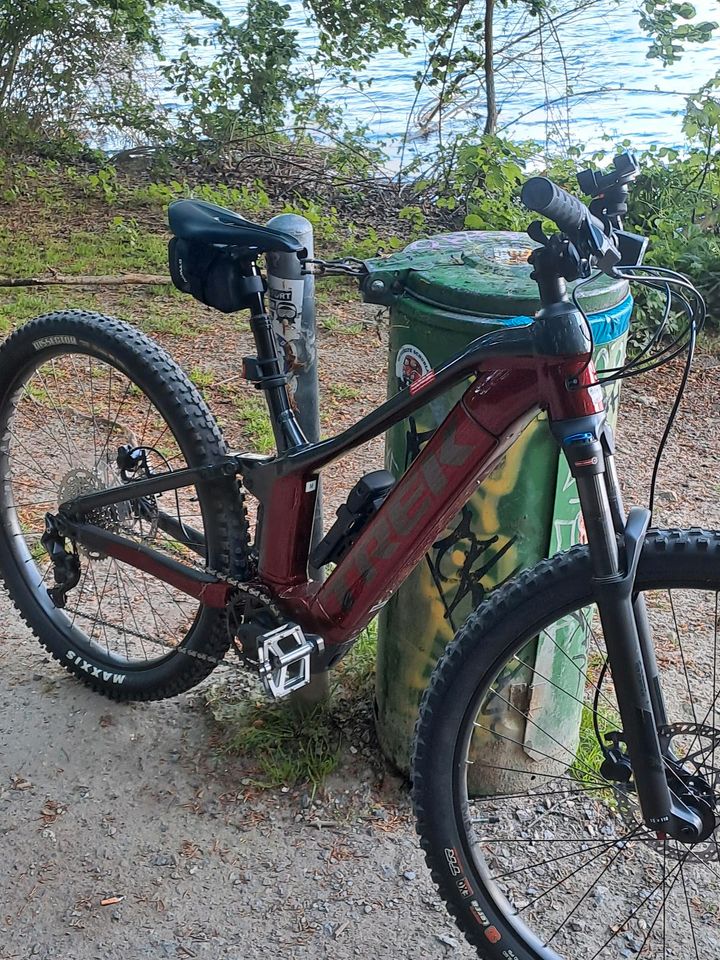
284, 659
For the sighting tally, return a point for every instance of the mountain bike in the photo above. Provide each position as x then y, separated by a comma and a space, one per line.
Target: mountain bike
126, 545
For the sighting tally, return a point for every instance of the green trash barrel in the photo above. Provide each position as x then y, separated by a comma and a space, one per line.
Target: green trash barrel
444, 292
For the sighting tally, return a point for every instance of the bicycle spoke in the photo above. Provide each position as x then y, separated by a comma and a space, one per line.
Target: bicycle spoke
65, 429
687, 905
586, 767
540, 834
622, 924
563, 652
563, 856
585, 895
682, 657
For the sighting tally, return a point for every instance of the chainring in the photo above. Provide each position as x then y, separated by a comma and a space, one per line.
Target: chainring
249, 616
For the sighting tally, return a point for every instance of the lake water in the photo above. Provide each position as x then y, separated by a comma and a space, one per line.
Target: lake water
618, 92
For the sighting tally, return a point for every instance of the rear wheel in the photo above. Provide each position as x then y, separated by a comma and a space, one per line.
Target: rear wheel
538, 853
77, 388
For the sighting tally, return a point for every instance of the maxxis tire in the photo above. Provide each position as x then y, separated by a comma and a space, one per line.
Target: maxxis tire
198, 436
671, 558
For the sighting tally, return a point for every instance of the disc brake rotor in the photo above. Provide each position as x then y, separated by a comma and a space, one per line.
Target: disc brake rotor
700, 758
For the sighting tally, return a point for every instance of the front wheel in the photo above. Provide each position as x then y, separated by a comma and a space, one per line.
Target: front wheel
538, 853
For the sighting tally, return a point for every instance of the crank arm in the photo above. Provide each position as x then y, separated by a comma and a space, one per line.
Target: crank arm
196, 583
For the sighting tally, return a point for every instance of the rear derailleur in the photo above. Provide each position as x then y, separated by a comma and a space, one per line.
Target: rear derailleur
66, 565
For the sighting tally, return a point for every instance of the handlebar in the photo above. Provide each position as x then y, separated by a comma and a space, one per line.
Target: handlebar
594, 241
547, 198
594, 237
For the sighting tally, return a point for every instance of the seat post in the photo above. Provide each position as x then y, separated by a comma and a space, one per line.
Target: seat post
285, 427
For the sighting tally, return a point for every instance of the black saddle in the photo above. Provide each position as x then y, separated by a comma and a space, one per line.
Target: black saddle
210, 224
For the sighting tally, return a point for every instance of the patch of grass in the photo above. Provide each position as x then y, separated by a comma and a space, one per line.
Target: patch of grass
19, 305
589, 755
287, 746
355, 675
160, 322
334, 324
38, 552
120, 247
250, 200
290, 747
341, 391
163, 315
256, 422
202, 378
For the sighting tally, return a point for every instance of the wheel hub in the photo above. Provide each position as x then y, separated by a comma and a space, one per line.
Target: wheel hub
697, 769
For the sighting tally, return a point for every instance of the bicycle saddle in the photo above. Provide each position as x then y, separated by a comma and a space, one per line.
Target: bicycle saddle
209, 223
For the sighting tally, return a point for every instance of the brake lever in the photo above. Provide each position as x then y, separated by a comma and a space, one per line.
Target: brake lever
632, 247
599, 247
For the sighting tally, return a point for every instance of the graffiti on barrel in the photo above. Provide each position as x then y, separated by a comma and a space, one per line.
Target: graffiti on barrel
526, 509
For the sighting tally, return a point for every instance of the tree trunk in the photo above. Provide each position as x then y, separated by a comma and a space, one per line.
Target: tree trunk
8, 72
490, 97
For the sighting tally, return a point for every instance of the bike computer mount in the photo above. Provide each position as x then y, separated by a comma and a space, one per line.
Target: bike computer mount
610, 190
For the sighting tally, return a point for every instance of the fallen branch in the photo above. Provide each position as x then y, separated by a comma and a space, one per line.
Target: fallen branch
81, 281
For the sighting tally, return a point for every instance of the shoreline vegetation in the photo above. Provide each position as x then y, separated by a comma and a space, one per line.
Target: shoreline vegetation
252, 132
119, 205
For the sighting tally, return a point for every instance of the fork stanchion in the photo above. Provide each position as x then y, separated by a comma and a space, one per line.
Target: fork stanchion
291, 303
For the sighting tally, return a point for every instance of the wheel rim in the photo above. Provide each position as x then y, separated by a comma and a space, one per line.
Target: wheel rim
562, 851
60, 437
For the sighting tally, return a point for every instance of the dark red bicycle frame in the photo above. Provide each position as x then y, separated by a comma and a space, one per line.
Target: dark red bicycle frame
461, 453
515, 377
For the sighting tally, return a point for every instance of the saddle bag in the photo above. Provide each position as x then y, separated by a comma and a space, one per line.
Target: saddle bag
213, 275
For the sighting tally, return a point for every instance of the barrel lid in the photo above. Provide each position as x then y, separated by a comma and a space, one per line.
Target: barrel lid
485, 274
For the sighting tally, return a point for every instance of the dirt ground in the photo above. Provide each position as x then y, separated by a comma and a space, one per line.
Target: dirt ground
126, 834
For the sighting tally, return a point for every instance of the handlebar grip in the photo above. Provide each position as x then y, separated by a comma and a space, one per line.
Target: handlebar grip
545, 197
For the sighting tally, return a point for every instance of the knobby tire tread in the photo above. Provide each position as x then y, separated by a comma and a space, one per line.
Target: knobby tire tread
675, 558
182, 406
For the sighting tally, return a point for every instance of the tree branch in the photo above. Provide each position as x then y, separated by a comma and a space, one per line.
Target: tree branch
58, 280
490, 97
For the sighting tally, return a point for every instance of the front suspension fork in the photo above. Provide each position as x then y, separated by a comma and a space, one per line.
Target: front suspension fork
615, 545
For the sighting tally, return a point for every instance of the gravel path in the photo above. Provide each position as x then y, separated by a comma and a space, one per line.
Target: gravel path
124, 833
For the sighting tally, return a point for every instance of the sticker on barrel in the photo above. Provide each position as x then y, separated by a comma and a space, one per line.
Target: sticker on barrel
411, 366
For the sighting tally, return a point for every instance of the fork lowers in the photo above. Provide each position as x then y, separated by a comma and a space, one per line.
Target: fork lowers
614, 572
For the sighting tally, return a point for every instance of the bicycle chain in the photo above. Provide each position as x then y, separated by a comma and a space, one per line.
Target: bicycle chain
241, 585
